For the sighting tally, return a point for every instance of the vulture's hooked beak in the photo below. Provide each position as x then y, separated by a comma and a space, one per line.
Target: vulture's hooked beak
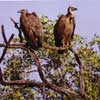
20, 11
74, 9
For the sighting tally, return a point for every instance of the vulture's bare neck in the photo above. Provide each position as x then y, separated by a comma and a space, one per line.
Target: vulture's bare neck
70, 14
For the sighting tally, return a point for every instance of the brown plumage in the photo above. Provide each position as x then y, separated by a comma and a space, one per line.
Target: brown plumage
32, 28
64, 29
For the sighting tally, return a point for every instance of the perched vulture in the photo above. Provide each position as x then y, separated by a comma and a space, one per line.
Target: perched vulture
32, 28
64, 29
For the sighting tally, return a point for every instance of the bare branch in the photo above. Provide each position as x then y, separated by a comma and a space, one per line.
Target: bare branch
5, 49
18, 28
11, 37
3, 34
82, 83
28, 83
76, 57
23, 82
38, 65
1, 77
3, 54
23, 46
15, 23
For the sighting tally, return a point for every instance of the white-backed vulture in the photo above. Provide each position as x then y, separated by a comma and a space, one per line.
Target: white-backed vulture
32, 28
64, 29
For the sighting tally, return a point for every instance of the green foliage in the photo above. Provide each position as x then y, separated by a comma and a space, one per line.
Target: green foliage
16, 93
16, 62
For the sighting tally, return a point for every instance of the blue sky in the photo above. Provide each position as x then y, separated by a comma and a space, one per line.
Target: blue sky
87, 16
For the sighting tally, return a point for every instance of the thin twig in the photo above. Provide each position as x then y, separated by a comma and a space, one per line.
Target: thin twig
1, 77
18, 28
3, 34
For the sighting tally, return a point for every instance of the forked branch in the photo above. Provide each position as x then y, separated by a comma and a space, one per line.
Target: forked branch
6, 42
